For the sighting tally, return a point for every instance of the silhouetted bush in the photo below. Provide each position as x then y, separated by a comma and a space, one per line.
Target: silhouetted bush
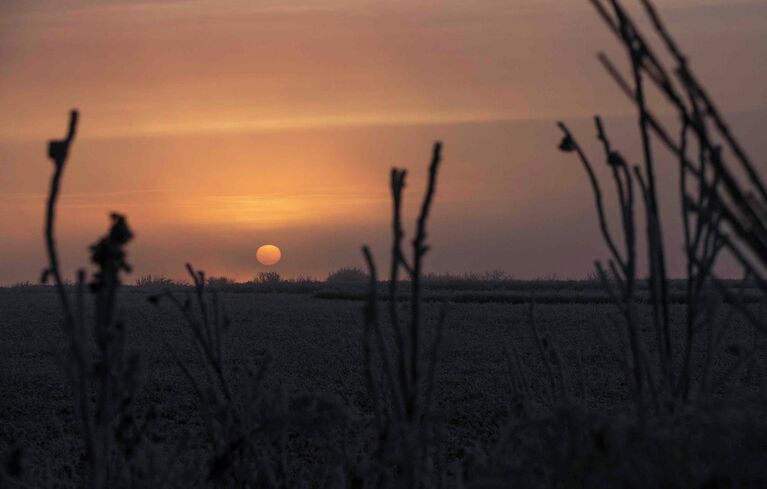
248, 429
347, 275
400, 371
104, 380
721, 213
155, 281
268, 278
220, 282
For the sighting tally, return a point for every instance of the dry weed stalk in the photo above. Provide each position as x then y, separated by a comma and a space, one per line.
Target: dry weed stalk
104, 383
719, 212
403, 394
247, 425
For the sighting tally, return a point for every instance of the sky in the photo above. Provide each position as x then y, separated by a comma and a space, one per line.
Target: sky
219, 126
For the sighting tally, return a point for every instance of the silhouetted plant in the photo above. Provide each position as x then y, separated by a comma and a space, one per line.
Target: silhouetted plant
268, 278
347, 275
402, 390
155, 281
671, 370
214, 281
25, 284
248, 426
717, 213
104, 384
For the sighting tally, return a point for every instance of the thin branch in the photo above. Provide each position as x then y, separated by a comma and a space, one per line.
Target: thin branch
58, 152
419, 250
569, 143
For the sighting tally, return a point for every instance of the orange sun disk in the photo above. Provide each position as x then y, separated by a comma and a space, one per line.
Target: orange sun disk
268, 255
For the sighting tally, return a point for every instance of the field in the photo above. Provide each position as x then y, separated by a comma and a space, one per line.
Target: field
316, 347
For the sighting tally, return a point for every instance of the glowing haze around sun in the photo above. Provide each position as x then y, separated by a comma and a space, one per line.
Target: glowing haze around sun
268, 255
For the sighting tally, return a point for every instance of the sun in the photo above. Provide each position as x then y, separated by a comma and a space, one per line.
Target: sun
268, 255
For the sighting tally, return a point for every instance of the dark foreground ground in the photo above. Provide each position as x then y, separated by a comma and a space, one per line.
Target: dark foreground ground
316, 347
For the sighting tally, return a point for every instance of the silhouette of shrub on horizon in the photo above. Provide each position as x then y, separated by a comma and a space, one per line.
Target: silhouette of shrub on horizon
268, 278
220, 282
150, 280
348, 275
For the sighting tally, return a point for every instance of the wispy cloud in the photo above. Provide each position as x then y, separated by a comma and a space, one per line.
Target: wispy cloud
126, 10
83, 200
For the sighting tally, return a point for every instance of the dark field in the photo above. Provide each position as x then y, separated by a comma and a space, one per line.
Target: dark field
316, 348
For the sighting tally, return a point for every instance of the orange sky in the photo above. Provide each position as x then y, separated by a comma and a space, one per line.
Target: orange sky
221, 125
